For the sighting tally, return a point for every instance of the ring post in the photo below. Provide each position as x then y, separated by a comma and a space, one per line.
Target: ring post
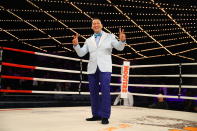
180, 80
81, 71
125, 79
1, 57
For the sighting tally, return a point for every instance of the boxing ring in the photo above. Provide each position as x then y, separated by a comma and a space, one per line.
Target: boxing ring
73, 118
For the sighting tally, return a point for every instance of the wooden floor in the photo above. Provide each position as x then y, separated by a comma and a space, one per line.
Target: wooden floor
73, 119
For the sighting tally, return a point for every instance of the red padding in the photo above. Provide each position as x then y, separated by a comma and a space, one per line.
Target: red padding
15, 91
13, 109
16, 77
18, 50
17, 65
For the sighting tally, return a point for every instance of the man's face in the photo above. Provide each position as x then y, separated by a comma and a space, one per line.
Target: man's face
97, 26
160, 98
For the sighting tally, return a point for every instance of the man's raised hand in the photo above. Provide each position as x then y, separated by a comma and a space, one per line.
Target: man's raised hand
122, 35
75, 39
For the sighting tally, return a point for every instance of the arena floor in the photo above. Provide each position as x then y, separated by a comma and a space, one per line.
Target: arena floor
73, 119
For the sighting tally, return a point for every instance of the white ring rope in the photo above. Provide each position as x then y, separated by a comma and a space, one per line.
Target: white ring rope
85, 82
56, 56
164, 96
155, 75
182, 75
167, 86
116, 93
85, 72
76, 59
160, 65
58, 80
59, 70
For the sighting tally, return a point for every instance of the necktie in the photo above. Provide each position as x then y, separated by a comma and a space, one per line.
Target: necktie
97, 35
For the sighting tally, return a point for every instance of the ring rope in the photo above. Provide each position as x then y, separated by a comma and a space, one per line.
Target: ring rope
75, 59
160, 65
85, 72
87, 93
86, 82
41, 54
40, 68
183, 75
167, 86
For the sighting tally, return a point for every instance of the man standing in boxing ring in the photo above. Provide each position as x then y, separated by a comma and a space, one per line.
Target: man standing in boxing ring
100, 46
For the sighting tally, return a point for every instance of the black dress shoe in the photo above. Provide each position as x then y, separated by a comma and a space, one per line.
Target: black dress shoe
94, 118
105, 121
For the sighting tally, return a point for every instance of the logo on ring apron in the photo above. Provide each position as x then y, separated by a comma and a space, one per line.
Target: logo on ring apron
125, 79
